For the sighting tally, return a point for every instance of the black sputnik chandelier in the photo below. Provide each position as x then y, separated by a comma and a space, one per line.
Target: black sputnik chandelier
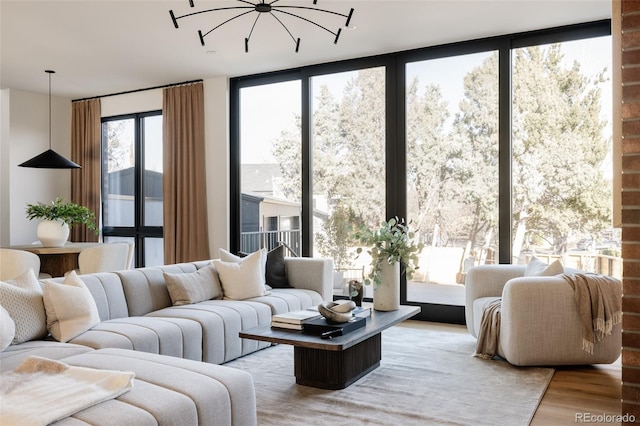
263, 8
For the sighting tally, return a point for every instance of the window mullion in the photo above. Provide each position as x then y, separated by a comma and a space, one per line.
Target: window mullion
505, 218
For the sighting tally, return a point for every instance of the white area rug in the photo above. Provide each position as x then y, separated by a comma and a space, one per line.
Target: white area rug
426, 377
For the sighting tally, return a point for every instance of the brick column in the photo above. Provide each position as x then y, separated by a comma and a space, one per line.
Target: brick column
626, 36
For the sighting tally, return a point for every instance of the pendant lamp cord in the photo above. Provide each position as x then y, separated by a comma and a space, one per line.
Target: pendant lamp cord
49, 72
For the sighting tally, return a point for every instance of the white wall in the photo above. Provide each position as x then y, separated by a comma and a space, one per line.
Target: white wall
4, 169
149, 100
25, 136
216, 136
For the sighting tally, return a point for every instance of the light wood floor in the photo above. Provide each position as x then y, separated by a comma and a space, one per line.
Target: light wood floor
592, 389
585, 389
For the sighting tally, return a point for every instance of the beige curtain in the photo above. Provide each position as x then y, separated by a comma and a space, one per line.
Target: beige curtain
86, 151
185, 202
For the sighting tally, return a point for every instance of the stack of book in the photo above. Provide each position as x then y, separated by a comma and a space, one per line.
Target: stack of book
293, 320
296, 320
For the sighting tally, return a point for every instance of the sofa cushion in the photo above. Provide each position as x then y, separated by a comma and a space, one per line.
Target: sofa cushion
242, 280
275, 271
193, 287
106, 289
537, 268
7, 329
220, 322
13, 356
165, 336
70, 308
146, 289
282, 300
170, 390
22, 298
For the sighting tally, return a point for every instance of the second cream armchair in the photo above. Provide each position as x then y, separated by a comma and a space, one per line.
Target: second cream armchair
539, 323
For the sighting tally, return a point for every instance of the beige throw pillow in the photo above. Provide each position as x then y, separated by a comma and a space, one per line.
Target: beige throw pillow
22, 298
70, 308
242, 280
226, 256
7, 329
536, 267
193, 287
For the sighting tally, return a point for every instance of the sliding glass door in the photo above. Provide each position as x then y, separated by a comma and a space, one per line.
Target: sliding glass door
270, 167
562, 156
348, 142
452, 170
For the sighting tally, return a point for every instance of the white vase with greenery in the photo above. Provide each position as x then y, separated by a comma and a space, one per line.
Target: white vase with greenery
390, 247
52, 233
57, 219
386, 296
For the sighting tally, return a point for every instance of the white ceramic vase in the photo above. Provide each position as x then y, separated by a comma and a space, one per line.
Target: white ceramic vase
386, 296
53, 233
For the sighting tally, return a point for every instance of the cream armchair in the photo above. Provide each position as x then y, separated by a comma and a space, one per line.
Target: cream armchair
539, 322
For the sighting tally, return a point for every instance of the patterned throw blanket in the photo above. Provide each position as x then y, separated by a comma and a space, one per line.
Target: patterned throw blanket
599, 302
41, 391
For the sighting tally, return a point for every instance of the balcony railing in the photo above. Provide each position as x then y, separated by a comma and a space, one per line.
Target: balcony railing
253, 241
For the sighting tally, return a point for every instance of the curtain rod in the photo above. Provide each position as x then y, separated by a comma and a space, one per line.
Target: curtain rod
138, 90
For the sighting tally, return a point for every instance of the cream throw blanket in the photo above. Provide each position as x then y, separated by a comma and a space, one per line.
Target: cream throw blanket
41, 391
599, 302
487, 344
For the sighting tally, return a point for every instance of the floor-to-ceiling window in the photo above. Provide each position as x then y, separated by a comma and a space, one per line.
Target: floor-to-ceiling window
475, 143
452, 151
562, 158
132, 184
348, 165
270, 167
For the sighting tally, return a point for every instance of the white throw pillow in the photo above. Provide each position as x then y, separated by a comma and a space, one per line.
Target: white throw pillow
193, 287
226, 256
538, 268
22, 298
70, 308
7, 329
242, 280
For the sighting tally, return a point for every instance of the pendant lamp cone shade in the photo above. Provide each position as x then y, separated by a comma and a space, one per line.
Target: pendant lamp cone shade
50, 159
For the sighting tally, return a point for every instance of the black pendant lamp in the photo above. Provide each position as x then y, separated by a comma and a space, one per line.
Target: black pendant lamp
50, 159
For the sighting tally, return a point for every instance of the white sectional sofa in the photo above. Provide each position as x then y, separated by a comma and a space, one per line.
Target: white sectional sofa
174, 350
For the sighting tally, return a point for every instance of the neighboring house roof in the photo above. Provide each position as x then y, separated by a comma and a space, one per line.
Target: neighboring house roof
259, 178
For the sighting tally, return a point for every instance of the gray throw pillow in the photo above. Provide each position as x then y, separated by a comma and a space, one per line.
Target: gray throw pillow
193, 287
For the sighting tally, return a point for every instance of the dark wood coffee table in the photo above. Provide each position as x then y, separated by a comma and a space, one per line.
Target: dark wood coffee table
338, 362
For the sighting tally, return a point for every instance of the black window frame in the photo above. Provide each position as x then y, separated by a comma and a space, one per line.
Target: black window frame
139, 231
396, 198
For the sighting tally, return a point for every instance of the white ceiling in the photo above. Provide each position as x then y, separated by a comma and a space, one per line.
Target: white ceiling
98, 47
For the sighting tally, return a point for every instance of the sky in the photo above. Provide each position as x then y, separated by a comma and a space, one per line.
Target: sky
272, 108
